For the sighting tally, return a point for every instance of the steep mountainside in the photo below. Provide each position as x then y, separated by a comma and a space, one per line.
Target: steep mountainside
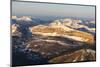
57, 29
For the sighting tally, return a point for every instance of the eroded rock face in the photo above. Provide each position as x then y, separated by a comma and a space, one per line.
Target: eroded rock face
63, 31
76, 56
15, 30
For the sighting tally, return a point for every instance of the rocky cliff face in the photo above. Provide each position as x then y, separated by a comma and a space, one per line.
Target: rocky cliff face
15, 30
58, 29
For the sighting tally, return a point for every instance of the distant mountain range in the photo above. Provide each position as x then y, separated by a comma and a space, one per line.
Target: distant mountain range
62, 27
48, 40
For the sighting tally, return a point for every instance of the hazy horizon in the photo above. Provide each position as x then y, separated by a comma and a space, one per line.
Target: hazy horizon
44, 9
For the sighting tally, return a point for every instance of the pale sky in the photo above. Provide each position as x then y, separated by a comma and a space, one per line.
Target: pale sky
44, 9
